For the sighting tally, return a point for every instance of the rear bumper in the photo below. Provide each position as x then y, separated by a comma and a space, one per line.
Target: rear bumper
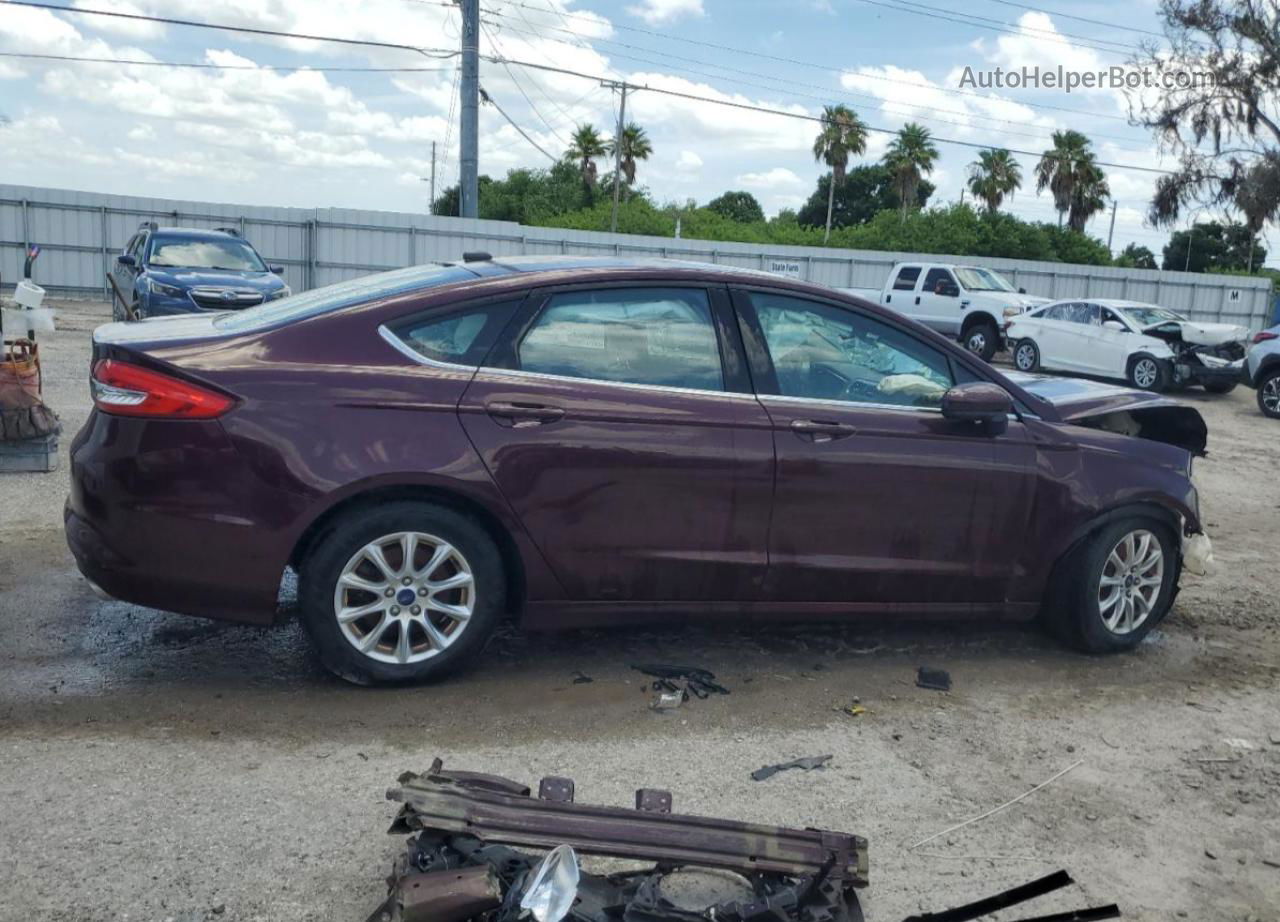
161, 517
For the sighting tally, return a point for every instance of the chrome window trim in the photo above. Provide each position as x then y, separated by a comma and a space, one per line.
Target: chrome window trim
633, 385
822, 401
395, 342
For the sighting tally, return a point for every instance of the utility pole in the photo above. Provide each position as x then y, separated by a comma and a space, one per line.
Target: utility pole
617, 153
1111, 233
1190, 239
469, 129
431, 203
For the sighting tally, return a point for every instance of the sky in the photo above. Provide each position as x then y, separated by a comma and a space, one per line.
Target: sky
297, 122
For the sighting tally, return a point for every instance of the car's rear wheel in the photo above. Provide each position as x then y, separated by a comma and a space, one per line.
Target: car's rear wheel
1116, 586
1269, 393
1220, 387
404, 592
1026, 356
982, 339
1148, 374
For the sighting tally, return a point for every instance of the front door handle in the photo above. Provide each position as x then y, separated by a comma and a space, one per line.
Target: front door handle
817, 430
522, 415
917, 299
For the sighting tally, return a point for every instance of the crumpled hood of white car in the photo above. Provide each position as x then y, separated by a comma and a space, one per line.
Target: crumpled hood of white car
1207, 334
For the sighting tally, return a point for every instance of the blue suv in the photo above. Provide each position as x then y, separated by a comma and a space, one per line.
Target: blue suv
181, 270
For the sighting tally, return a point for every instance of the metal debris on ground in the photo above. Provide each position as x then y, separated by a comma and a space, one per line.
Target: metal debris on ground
668, 700
938, 679
701, 683
463, 860
807, 763
1018, 895
581, 678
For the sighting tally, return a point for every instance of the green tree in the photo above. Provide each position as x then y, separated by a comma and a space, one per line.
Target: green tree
635, 146
737, 206
843, 134
993, 176
910, 155
1136, 257
584, 146
1069, 170
1213, 247
864, 193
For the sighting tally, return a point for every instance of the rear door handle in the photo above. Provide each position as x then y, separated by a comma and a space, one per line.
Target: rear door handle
817, 430
522, 415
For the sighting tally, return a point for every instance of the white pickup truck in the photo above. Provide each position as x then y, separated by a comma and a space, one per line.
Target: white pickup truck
971, 303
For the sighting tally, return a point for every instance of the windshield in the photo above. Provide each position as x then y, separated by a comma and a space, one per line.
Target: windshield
1150, 316
185, 253
975, 278
343, 294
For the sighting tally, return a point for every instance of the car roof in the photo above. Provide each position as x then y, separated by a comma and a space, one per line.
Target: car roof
194, 232
557, 263
1117, 303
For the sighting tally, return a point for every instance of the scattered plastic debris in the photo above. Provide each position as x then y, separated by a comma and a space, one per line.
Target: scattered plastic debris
701, 683
938, 679
807, 763
581, 678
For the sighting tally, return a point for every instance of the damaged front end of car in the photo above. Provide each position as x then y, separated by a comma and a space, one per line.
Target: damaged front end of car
1209, 354
462, 862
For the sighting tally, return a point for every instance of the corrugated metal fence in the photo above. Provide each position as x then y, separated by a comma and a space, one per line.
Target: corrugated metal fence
82, 232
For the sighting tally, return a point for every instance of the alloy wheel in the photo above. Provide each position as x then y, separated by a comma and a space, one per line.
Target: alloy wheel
404, 598
1025, 357
1271, 394
1131, 581
1145, 373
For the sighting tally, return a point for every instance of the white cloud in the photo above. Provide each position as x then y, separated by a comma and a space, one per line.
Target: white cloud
777, 178
142, 132
688, 162
128, 28
663, 12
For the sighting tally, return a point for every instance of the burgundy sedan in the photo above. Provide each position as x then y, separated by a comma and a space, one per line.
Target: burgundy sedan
581, 441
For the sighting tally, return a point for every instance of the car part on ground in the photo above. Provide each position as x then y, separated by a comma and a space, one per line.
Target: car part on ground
699, 682
808, 763
1016, 896
464, 826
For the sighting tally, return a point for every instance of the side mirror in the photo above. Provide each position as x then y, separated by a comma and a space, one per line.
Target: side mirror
125, 259
980, 402
1022, 291
1115, 325
277, 270
947, 289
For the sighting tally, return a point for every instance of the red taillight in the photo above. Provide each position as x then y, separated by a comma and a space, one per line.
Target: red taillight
1264, 336
130, 390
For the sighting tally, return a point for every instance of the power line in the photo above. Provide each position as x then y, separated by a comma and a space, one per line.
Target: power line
825, 68
249, 30
207, 66
1093, 22
1065, 38
750, 107
510, 121
516, 82
913, 110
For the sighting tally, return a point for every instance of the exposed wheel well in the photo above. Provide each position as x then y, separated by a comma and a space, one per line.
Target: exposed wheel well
513, 566
1269, 365
1155, 511
977, 319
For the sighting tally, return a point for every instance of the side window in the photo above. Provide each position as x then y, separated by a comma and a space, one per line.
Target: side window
461, 337
829, 353
1057, 312
655, 336
1108, 315
1080, 312
906, 280
933, 277
131, 245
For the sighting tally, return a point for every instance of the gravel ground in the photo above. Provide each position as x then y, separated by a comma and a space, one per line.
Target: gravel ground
158, 767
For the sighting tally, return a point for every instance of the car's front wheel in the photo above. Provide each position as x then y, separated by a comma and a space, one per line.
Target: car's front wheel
1026, 356
1116, 586
982, 339
1148, 374
1269, 393
403, 592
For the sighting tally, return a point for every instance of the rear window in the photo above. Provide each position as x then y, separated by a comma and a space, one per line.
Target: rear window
906, 279
342, 294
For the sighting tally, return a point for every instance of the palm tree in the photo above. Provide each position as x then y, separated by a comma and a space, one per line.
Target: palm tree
1257, 195
994, 175
584, 147
635, 146
842, 134
910, 155
1069, 170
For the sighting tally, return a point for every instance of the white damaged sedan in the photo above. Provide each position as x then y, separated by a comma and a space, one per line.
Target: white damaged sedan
1150, 347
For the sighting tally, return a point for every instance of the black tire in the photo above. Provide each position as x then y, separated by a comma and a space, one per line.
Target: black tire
1147, 373
1220, 387
330, 555
1026, 356
982, 339
1269, 393
1073, 606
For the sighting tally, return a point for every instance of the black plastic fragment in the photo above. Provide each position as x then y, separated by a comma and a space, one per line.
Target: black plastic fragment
1080, 915
1012, 897
928, 677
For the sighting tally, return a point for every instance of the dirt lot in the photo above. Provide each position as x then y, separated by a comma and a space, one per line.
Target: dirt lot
158, 767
